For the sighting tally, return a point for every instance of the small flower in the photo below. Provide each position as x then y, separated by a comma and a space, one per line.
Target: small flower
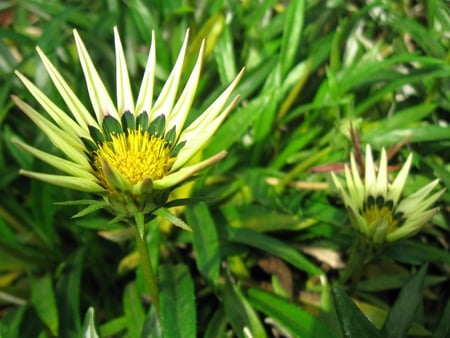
376, 207
132, 153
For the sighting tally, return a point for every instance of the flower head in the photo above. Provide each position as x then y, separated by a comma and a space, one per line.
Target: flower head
376, 206
132, 152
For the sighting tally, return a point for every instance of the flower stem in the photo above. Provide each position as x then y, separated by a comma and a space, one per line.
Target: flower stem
149, 276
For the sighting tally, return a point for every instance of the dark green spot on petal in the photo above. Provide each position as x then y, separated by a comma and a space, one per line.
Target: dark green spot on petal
170, 136
111, 126
157, 126
142, 121
96, 134
175, 150
128, 121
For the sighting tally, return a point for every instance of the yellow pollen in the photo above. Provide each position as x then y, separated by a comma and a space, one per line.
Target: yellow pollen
136, 155
373, 213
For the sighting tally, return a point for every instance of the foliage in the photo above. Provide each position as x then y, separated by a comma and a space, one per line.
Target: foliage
270, 236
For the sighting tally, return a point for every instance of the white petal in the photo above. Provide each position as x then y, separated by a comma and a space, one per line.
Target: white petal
357, 182
186, 172
382, 178
72, 147
78, 110
197, 138
200, 131
412, 226
70, 182
369, 177
180, 112
124, 95
60, 117
396, 188
62, 164
100, 99
145, 97
417, 202
166, 98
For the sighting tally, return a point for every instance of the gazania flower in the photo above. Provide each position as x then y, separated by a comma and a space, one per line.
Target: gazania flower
132, 152
376, 206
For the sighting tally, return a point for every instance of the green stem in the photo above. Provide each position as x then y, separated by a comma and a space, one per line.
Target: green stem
359, 256
149, 276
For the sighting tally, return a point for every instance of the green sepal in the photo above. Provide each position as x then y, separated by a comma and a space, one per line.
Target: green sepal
168, 216
142, 121
128, 121
175, 150
157, 126
111, 126
140, 223
94, 206
170, 136
96, 134
77, 202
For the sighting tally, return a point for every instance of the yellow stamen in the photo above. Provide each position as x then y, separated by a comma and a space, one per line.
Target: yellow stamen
373, 213
136, 155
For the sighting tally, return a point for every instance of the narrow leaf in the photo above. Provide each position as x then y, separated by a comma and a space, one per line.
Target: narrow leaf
44, 301
401, 315
89, 330
134, 311
178, 312
206, 242
353, 322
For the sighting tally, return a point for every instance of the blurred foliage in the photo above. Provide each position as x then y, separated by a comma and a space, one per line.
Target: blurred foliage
270, 237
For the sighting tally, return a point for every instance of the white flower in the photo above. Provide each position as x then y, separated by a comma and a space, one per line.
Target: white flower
131, 150
377, 208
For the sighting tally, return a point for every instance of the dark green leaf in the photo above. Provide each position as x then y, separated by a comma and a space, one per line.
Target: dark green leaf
44, 301
178, 312
206, 242
353, 322
134, 311
401, 315
290, 316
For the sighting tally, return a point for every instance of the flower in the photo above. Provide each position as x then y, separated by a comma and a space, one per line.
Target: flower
132, 153
375, 206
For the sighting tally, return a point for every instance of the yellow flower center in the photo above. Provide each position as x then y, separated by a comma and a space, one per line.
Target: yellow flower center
136, 155
375, 210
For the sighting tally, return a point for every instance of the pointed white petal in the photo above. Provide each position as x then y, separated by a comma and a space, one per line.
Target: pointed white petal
78, 110
360, 193
181, 110
381, 184
198, 133
369, 177
72, 147
60, 117
70, 182
412, 226
186, 172
100, 99
418, 202
145, 98
166, 98
396, 188
69, 167
197, 138
346, 198
124, 96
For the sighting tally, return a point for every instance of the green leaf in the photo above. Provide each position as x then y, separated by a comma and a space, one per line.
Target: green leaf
241, 315
443, 327
68, 295
353, 322
89, 330
134, 311
206, 241
273, 246
178, 312
401, 315
44, 301
217, 325
286, 314
293, 27
168, 216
